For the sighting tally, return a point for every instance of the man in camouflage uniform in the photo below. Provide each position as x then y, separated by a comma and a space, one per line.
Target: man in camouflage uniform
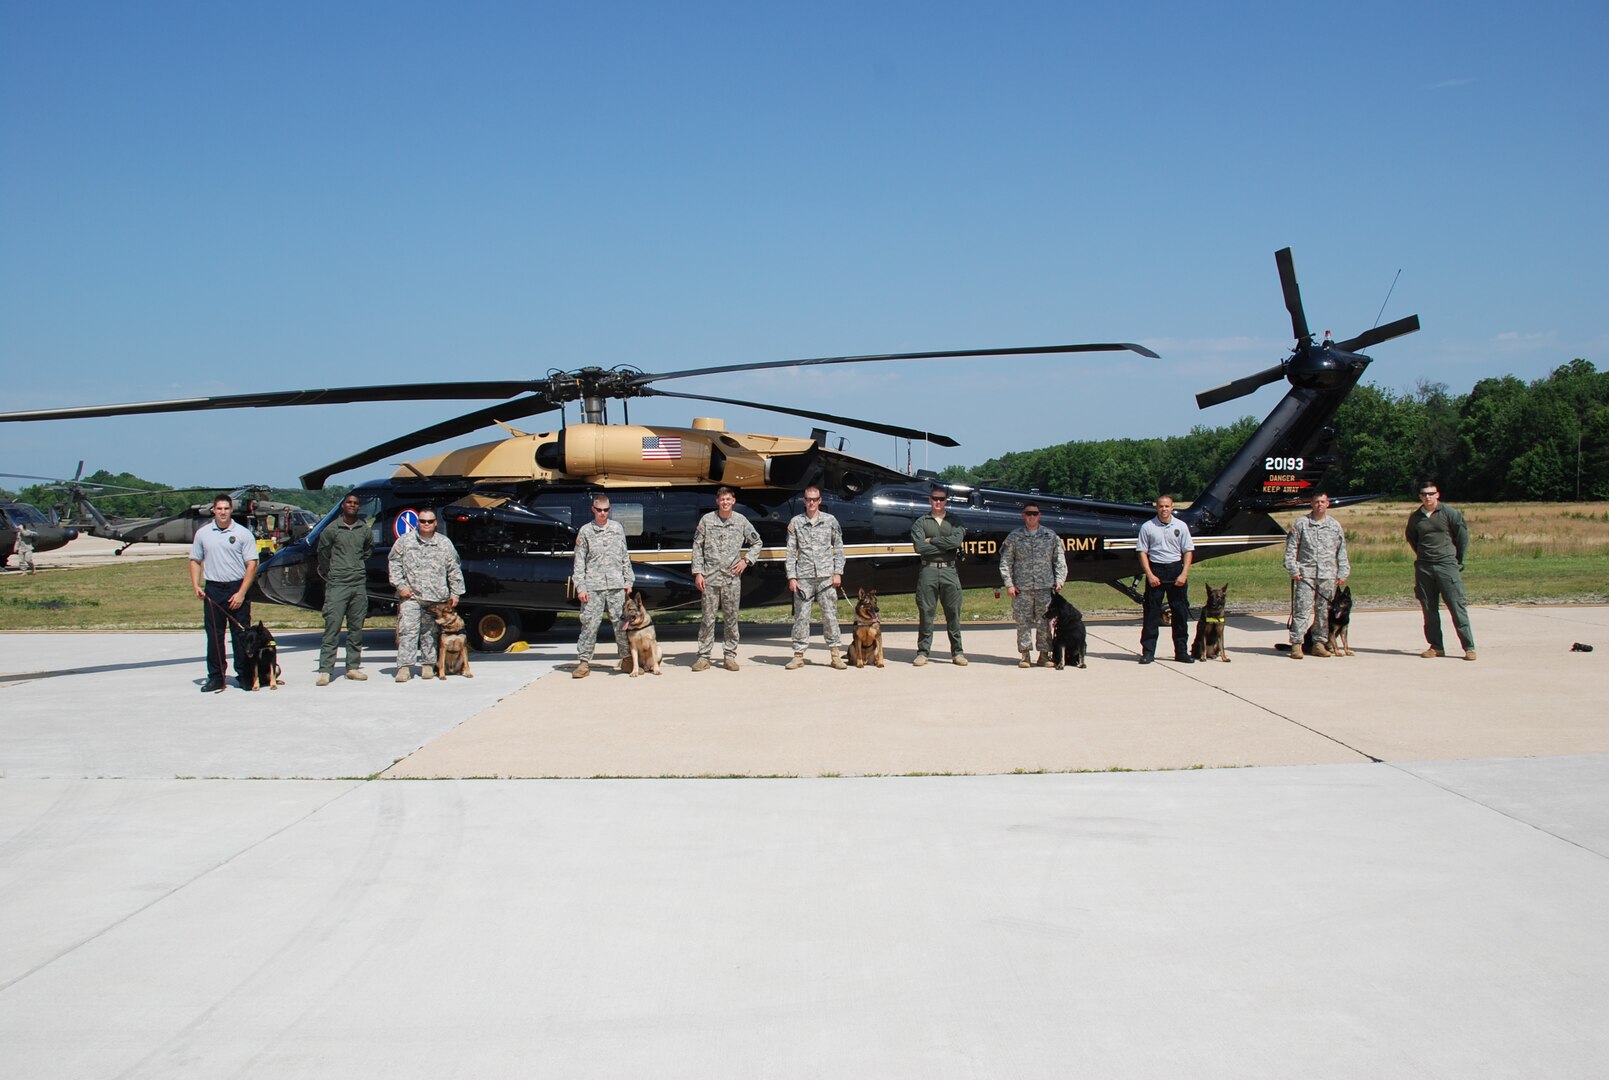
724, 545
344, 548
23, 546
424, 570
937, 537
603, 576
1315, 558
815, 573
1033, 565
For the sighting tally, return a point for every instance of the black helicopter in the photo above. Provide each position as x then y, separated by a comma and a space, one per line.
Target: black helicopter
512, 507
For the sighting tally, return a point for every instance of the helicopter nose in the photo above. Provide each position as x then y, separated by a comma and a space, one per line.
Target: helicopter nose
285, 576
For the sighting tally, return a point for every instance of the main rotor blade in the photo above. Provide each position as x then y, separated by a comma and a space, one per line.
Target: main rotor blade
847, 421
343, 395
1293, 294
447, 429
1240, 387
1380, 333
1030, 350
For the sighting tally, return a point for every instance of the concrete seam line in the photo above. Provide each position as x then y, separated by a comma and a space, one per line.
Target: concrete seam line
1501, 813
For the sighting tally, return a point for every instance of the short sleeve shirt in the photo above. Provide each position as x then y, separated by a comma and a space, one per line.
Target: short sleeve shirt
1165, 544
223, 553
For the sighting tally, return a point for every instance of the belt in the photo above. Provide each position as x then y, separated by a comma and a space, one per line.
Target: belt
941, 565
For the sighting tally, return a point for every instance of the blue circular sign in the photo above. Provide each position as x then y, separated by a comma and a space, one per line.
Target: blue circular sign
406, 522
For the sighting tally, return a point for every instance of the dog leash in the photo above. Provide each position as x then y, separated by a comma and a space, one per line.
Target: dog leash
226, 612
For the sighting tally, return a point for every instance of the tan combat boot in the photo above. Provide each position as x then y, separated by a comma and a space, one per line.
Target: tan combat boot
1044, 659
1320, 649
730, 663
1469, 654
404, 673
837, 660
1431, 653
701, 664
582, 670
356, 674
1296, 651
797, 662
1022, 660
959, 660
323, 678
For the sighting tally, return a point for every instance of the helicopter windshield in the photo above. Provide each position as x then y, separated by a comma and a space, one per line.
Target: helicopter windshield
23, 514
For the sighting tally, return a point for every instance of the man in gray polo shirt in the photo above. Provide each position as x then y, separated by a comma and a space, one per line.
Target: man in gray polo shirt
225, 552
1166, 552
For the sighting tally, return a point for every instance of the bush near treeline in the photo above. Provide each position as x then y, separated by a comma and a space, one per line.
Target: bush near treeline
1505, 440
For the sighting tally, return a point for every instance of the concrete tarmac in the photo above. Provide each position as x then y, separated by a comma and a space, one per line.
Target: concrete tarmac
1413, 883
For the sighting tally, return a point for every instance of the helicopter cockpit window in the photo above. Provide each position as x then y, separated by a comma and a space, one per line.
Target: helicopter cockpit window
630, 515
23, 514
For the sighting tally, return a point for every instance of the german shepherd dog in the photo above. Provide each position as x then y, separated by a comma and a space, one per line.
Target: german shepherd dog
866, 642
642, 640
1212, 632
452, 644
1339, 626
1340, 622
1069, 641
262, 658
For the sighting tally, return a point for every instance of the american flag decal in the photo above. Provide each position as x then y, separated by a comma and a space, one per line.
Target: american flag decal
661, 448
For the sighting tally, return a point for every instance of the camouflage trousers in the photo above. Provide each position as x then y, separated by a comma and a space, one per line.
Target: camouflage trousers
416, 633
1310, 606
599, 603
25, 557
818, 591
1028, 612
349, 601
722, 597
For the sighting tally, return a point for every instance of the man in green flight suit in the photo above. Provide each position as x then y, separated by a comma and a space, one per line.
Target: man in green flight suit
1439, 539
937, 538
344, 548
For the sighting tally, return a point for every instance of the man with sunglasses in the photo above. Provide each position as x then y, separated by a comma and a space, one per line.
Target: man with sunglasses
603, 577
424, 570
815, 563
1033, 566
937, 537
1439, 537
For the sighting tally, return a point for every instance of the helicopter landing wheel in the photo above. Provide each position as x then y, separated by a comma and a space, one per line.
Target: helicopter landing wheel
493, 630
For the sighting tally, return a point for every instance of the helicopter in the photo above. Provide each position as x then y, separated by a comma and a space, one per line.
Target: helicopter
512, 507
48, 535
273, 523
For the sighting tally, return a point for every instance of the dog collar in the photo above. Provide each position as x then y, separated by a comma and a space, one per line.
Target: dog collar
1210, 619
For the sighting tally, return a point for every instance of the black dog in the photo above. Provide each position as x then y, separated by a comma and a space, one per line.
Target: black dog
1212, 631
1068, 639
262, 658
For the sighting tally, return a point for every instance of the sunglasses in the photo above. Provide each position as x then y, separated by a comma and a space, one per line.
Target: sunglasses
935, 498
600, 509
1030, 513
809, 499
427, 521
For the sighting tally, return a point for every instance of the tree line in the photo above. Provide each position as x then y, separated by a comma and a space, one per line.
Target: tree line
1504, 441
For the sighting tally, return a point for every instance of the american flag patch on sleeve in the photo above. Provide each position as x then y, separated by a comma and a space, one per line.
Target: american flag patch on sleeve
661, 448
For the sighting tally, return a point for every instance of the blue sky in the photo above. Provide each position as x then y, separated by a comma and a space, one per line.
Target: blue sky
218, 198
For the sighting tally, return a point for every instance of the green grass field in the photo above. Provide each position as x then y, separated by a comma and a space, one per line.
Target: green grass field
1519, 553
